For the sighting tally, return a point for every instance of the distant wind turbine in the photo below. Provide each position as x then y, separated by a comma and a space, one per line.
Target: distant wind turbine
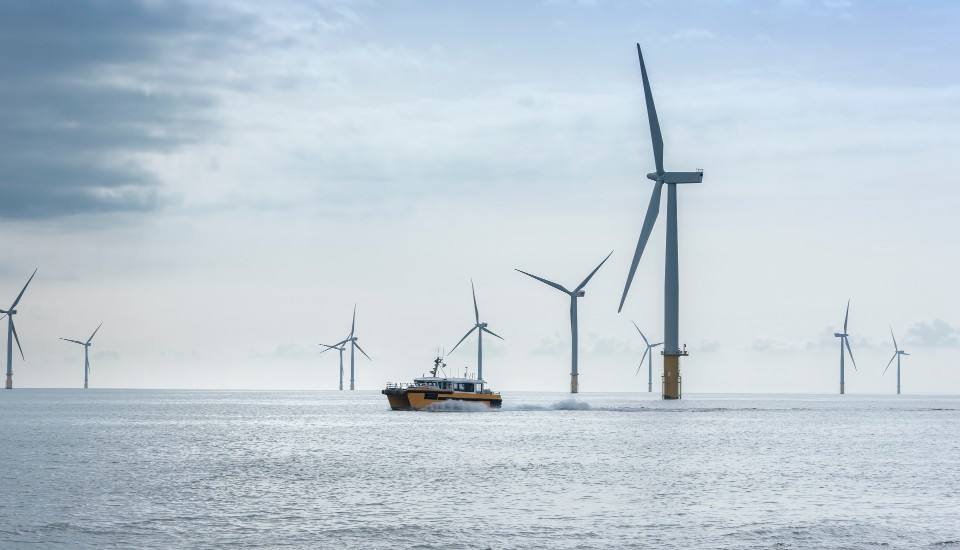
671, 309
12, 332
845, 341
480, 328
339, 346
897, 352
574, 295
648, 355
86, 354
352, 340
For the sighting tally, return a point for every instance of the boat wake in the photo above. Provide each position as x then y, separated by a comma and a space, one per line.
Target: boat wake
458, 406
564, 405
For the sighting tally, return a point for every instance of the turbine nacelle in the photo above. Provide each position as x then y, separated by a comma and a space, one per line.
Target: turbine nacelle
677, 177
839, 335
579, 294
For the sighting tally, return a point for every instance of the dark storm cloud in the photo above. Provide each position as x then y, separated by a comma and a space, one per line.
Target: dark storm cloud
89, 85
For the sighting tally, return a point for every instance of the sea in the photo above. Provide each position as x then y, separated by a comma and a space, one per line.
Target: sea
339, 469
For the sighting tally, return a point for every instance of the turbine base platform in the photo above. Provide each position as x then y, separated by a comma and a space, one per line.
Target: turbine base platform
574, 384
671, 375
9, 382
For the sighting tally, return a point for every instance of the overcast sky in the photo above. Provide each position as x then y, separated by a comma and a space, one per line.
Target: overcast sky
220, 182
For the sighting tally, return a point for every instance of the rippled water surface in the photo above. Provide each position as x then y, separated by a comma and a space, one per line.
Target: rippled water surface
203, 469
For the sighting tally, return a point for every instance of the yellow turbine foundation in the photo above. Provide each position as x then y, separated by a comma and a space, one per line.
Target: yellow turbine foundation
9, 382
671, 376
574, 385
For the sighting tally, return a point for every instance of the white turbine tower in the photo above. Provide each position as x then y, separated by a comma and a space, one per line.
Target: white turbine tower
12, 332
671, 309
648, 355
897, 352
340, 346
86, 354
845, 341
574, 295
480, 328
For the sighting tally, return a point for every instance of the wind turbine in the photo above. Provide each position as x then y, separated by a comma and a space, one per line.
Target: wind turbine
648, 354
339, 346
353, 344
897, 352
12, 332
574, 294
86, 354
480, 328
845, 341
671, 305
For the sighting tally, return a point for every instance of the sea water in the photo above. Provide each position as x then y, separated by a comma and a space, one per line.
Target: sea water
250, 469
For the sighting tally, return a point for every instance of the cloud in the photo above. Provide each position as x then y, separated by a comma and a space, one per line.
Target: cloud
707, 346
938, 333
552, 345
90, 90
773, 345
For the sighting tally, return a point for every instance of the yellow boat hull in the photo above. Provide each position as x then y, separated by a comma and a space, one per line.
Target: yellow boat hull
411, 399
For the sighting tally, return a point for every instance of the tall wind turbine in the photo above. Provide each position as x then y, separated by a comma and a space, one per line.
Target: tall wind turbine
648, 355
671, 305
86, 354
480, 328
897, 352
845, 341
12, 332
339, 346
574, 294
352, 339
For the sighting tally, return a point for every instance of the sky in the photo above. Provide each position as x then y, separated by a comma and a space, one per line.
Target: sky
220, 183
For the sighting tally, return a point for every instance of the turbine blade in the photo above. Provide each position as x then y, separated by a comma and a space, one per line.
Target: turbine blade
476, 311
342, 342
329, 347
361, 350
544, 281
652, 212
94, 333
74, 341
592, 273
850, 351
894, 340
655, 135
490, 332
645, 341
469, 332
888, 364
353, 324
846, 317
657, 344
641, 360
13, 327
17, 301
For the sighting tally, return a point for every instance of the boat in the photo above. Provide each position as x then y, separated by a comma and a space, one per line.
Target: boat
435, 390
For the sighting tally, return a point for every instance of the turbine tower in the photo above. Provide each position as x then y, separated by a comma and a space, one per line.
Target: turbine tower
574, 295
845, 341
339, 346
897, 352
12, 332
480, 328
86, 354
648, 354
671, 305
